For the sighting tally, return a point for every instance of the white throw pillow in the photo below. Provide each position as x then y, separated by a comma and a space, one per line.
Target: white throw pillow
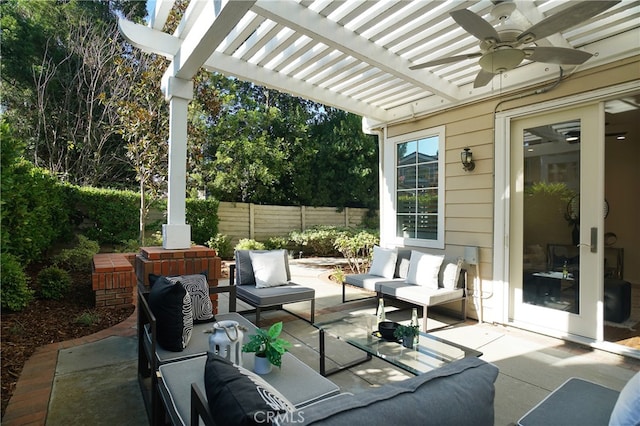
269, 269
384, 262
451, 274
424, 269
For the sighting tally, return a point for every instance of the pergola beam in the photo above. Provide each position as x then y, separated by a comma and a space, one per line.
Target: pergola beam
299, 18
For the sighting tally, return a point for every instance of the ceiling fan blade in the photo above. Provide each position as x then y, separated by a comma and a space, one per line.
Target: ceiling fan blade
573, 15
558, 55
445, 60
475, 25
482, 79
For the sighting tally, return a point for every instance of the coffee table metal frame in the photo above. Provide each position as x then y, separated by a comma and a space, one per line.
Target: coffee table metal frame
431, 352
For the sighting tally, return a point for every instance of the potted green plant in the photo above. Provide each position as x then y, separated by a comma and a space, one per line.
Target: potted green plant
268, 347
407, 333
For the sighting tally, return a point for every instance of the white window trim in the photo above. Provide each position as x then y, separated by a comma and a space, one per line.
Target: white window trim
389, 188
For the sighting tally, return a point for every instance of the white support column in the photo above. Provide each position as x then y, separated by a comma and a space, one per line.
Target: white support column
176, 234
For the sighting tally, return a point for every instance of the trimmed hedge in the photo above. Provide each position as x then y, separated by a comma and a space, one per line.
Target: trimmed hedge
107, 216
202, 215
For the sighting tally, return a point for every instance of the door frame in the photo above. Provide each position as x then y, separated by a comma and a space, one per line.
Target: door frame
591, 188
502, 155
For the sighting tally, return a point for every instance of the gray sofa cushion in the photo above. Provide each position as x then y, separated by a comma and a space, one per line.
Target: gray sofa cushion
274, 296
575, 402
460, 393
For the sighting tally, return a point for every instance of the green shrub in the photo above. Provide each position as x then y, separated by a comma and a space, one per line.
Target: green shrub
36, 213
318, 241
88, 318
358, 249
128, 246
222, 245
107, 216
202, 215
15, 293
53, 283
277, 243
78, 258
249, 244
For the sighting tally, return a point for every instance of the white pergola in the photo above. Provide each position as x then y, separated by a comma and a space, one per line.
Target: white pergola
354, 55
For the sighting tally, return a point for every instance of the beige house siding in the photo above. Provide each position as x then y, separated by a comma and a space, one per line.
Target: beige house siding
469, 196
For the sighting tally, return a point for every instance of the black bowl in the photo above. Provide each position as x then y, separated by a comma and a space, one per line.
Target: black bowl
386, 329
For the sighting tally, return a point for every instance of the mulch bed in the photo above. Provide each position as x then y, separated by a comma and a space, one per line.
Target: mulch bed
50, 321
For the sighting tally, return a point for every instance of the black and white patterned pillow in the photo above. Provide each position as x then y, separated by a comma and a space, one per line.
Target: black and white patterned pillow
237, 396
198, 288
171, 305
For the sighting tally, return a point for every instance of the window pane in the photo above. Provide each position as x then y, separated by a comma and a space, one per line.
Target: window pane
407, 202
406, 226
428, 149
407, 177
417, 188
407, 153
428, 201
427, 227
428, 175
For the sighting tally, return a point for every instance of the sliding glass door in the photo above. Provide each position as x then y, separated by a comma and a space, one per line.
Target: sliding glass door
557, 177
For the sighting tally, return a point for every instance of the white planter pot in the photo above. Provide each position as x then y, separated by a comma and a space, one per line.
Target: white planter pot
261, 365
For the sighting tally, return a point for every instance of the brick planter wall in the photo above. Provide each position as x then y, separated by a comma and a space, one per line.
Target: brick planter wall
113, 279
195, 260
115, 275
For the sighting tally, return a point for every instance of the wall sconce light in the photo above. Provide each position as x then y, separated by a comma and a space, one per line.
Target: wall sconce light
467, 160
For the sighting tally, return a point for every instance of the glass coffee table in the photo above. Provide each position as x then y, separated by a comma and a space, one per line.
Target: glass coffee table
360, 331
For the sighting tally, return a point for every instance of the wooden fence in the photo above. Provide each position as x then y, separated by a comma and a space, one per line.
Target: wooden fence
259, 222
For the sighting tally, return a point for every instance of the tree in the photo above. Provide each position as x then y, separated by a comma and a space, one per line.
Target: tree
143, 122
343, 171
52, 93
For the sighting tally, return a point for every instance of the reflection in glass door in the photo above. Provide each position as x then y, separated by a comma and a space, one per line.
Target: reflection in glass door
551, 216
555, 245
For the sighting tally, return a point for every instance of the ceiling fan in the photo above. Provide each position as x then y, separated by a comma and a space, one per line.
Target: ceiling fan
503, 48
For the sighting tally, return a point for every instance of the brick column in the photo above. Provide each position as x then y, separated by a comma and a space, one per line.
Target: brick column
169, 262
113, 279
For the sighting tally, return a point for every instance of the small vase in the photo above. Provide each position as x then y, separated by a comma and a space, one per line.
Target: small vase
407, 342
261, 365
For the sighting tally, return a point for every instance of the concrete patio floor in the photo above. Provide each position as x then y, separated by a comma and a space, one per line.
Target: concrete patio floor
94, 381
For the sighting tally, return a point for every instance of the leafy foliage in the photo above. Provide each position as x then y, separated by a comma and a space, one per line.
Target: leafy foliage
276, 243
15, 293
358, 249
53, 283
222, 245
268, 343
318, 240
80, 257
249, 244
109, 215
202, 215
88, 318
33, 209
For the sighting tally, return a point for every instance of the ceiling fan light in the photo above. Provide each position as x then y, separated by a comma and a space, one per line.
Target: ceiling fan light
501, 60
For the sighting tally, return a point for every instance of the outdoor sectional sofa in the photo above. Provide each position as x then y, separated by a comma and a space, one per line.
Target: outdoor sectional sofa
190, 385
418, 278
